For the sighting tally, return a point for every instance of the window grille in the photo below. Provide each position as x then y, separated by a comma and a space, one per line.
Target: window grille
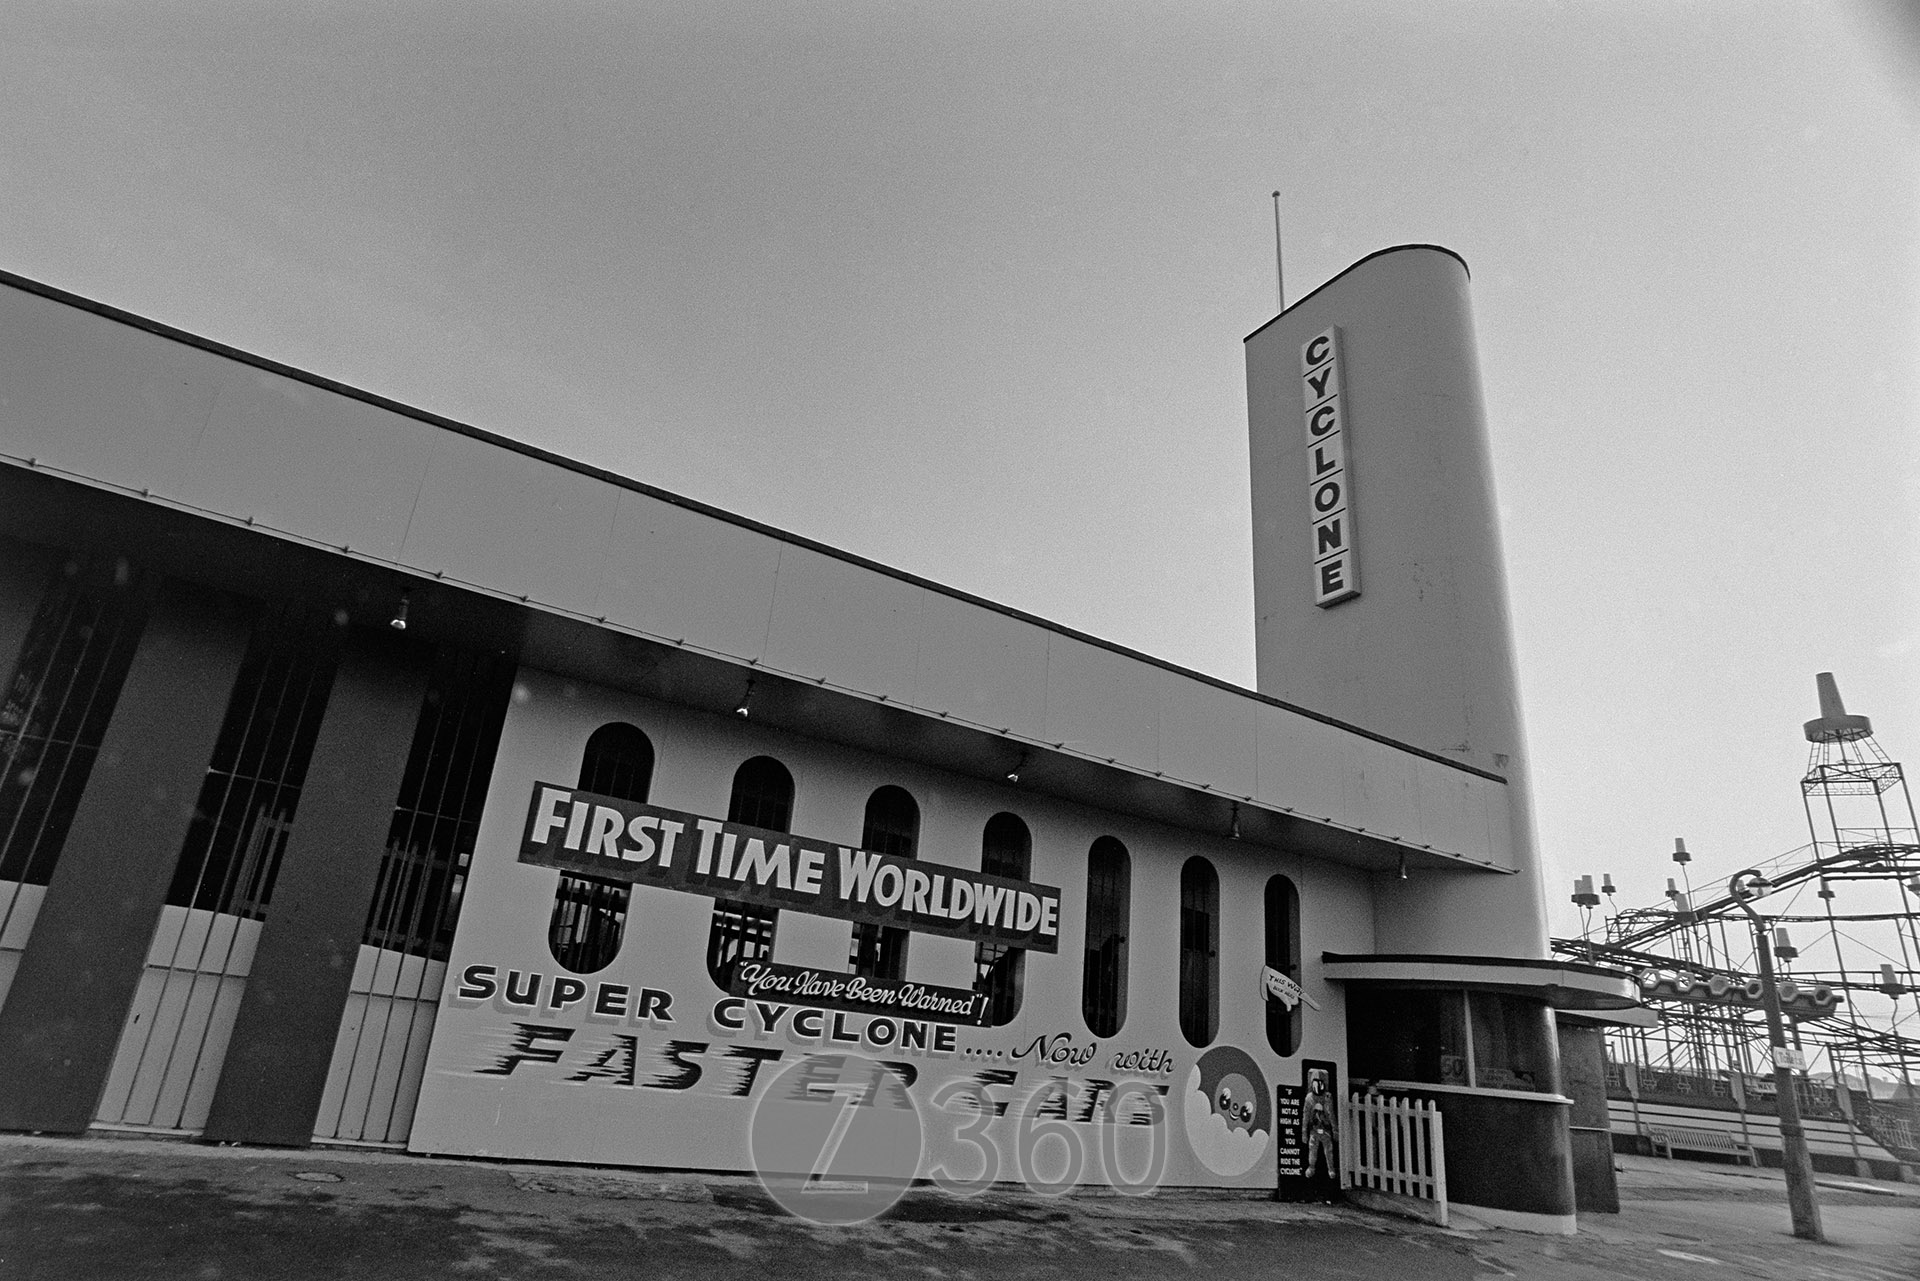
762, 797
590, 914
416, 902
1199, 951
54, 711
1000, 971
1103, 988
1283, 954
245, 813
892, 827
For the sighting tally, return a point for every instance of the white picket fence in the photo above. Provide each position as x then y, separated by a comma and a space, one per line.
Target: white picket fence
1395, 1145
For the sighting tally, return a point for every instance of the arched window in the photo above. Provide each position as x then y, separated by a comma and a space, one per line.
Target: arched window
1103, 984
1199, 951
589, 914
1283, 954
762, 797
892, 827
1006, 849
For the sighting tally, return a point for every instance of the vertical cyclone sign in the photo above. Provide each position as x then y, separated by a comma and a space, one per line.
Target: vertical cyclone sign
1336, 566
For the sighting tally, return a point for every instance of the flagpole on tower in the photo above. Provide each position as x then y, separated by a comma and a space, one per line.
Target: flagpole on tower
1279, 261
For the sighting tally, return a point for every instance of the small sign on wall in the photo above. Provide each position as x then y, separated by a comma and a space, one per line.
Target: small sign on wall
1336, 566
1307, 1121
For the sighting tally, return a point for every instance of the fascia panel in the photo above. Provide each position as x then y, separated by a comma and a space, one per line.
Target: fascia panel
1098, 706
1206, 734
834, 619
512, 524
679, 574
1300, 763
308, 462
97, 399
982, 666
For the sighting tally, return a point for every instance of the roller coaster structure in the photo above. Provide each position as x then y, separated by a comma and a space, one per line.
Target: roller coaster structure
1844, 911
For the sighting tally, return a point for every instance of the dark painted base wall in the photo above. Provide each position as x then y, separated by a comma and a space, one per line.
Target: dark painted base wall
82, 965
283, 1036
1505, 1154
1583, 1078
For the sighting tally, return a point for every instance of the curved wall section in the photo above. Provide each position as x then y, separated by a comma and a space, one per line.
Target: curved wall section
1424, 653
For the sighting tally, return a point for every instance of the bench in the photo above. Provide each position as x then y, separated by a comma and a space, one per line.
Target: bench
1668, 1137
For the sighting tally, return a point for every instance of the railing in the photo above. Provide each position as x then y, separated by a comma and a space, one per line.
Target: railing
1395, 1145
1895, 1133
1665, 1085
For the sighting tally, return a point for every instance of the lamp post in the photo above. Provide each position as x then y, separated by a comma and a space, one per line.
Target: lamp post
1744, 888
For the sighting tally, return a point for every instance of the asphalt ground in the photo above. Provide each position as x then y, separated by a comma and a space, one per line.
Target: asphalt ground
129, 1208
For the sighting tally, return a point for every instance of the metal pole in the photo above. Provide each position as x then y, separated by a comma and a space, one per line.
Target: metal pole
1794, 1156
1279, 263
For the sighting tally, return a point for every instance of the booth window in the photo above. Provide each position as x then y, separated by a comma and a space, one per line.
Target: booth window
892, 827
762, 797
1199, 951
590, 914
245, 813
1283, 954
55, 709
423, 874
1437, 1036
1103, 982
1407, 1034
1006, 849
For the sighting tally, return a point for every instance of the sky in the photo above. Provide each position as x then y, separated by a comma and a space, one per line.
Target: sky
962, 288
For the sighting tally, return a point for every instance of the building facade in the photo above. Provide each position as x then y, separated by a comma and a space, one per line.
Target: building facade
371, 779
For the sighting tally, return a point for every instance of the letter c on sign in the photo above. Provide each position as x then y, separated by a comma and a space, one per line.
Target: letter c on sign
1319, 348
1323, 420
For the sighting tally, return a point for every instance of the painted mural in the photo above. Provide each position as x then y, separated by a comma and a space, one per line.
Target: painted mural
658, 1059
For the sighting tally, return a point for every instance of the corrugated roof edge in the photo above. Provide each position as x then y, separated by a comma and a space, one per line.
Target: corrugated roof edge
166, 331
1354, 266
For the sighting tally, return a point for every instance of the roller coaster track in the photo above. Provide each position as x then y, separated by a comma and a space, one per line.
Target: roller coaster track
1874, 862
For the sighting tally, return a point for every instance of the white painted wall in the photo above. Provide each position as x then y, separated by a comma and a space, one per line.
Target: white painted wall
535, 1113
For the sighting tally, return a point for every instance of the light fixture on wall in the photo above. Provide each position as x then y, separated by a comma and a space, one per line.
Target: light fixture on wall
399, 620
1403, 866
1013, 775
746, 700
1233, 828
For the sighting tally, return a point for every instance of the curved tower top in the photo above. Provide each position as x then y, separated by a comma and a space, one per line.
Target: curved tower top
1379, 587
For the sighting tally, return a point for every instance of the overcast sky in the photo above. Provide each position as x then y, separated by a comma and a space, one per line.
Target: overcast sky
962, 288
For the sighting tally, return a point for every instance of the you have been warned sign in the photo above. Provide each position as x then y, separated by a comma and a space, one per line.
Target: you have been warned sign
618, 840
1336, 566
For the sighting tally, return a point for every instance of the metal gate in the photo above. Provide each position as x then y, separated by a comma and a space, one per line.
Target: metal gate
175, 1037
19, 907
381, 1049
174, 1041
54, 711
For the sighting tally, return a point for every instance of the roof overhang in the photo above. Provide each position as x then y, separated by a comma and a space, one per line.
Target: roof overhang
237, 472
1562, 985
223, 554
1641, 1017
